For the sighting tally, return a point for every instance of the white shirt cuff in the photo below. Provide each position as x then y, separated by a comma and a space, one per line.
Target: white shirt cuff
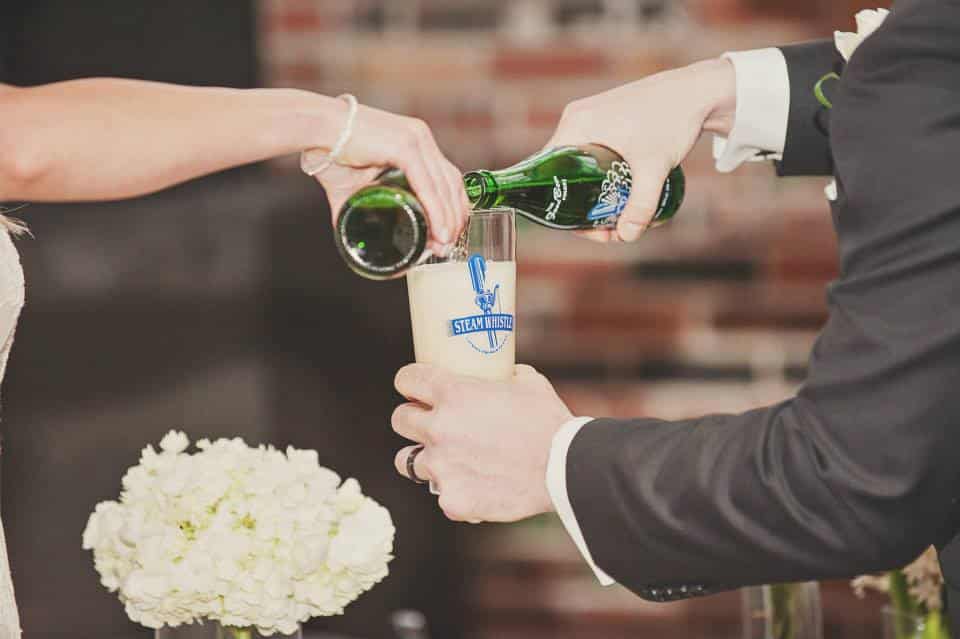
557, 487
763, 108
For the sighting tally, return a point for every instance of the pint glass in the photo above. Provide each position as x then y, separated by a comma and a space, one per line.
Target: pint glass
462, 307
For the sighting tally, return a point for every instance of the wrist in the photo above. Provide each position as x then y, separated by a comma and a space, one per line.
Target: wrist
306, 120
716, 80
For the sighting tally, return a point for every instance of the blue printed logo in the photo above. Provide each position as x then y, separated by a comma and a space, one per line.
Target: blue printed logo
487, 332
614, 193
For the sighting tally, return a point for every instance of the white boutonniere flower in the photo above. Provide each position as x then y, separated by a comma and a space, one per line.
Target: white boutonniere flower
868, 21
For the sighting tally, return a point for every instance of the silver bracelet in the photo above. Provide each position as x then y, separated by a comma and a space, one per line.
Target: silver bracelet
313, 165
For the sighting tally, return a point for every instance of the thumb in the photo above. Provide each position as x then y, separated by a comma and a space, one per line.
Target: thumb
647, 179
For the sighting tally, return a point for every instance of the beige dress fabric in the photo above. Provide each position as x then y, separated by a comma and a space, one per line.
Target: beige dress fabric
11, 301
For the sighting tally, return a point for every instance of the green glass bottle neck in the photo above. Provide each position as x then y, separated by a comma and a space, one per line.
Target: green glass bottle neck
482, 189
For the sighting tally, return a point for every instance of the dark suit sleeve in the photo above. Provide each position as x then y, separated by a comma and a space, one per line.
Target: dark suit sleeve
807, 147
859, 472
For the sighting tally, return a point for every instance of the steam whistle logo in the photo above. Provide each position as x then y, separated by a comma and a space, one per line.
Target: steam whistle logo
487, 332
614, 192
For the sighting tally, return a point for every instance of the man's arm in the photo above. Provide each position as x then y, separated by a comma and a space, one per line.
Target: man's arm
858, 472
777, 115
776, 118
807, 144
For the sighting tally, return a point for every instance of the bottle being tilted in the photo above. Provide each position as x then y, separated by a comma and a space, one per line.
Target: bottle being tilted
382, 231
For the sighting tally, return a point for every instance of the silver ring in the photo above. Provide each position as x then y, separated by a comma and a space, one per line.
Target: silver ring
434, 489
411, 469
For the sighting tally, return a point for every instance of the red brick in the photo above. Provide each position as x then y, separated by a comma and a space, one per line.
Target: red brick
719, 12
473, 119
558, 62
778, 308
840, 15
803, 250
297, 74
569, 271
297, 20
543, 116
786, 9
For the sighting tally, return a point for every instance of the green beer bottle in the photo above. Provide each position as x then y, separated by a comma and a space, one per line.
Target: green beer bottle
569, 188
382, 231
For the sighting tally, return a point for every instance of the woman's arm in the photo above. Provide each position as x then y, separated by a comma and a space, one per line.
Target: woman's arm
100, 139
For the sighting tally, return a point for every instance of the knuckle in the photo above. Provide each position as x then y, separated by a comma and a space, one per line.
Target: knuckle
436, 435
434, 465
452, 506
419, 128
409, 142
574, 108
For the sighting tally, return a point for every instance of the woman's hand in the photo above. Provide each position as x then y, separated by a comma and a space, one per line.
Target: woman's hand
381, 140
653, 123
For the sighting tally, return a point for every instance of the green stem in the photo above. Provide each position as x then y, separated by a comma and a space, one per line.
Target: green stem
818, 89
783, 610
904, 605
933, 627
230, 632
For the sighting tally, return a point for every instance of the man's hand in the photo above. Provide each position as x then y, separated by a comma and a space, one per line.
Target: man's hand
653, 123
486, 443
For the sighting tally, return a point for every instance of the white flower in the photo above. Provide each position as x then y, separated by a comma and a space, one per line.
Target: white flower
923, 577
245, 536
924, 580
868, 21
831, 191
174, 442
880, 583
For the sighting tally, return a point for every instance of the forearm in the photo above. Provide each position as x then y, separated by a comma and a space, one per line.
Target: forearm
807, 148
728, 501
103, 139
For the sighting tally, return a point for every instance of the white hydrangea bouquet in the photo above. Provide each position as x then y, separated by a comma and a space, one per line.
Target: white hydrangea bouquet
253, 539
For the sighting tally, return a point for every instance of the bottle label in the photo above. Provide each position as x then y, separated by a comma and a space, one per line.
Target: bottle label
560, 193
488, 331
614, 193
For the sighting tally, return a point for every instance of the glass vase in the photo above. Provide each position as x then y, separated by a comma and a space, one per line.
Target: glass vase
213, 630
905, 625
783, 611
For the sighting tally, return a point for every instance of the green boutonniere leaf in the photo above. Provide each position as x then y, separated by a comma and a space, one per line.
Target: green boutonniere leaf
818, 89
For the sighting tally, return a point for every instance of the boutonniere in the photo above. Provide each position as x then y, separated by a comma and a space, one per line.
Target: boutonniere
868, 21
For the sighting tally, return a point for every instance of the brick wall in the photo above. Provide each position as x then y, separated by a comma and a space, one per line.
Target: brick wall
715, 312
728, 296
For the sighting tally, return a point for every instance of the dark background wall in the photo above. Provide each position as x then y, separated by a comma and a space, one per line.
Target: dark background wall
218, 307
